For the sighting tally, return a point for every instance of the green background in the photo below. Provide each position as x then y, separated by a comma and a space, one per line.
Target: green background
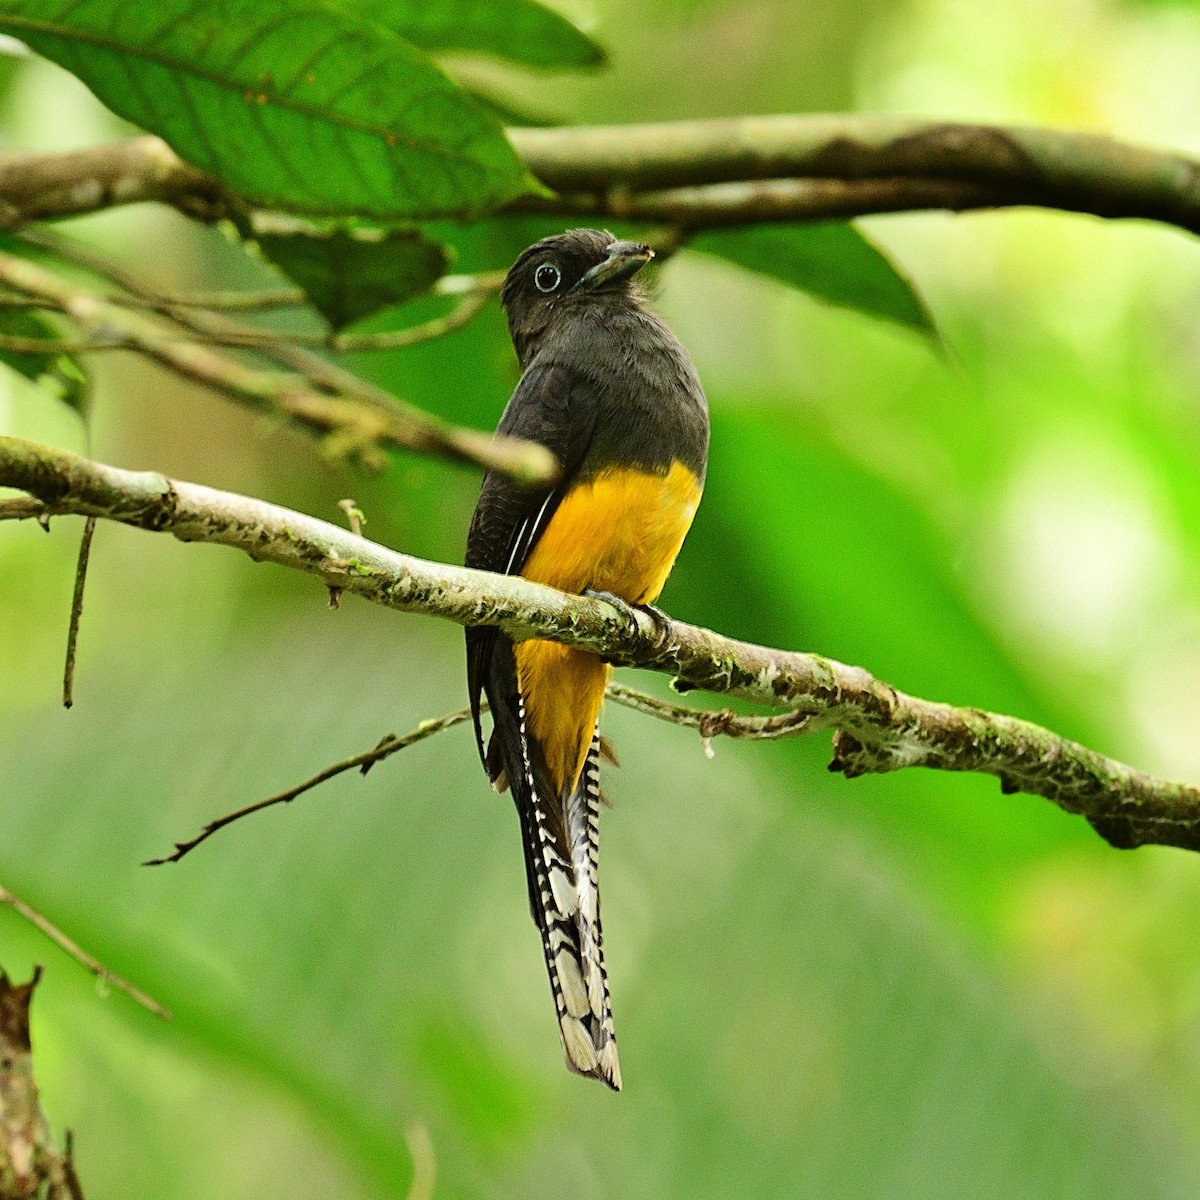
892, 987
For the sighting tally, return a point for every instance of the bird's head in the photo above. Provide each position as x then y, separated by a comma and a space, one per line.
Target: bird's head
559, 273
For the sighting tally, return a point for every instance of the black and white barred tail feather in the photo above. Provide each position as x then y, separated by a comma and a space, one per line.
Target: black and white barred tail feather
583, 832
562, 862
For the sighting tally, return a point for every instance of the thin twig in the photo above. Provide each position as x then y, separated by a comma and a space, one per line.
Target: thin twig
358, 423
18, 344
21, 508
245, 338
710, 724
475, 292
355, 427
70, 1176
365, 760
81, 956
234, 301
459, 316
81, 567
354, 516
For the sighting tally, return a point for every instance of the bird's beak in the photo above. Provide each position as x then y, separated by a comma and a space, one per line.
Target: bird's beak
624, 259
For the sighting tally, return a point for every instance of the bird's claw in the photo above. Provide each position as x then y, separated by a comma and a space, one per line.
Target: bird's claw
657, 617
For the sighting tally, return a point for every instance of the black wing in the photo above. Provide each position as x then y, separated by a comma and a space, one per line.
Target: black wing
555, 406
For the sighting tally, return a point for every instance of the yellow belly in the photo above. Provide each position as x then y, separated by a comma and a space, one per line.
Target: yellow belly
618, 533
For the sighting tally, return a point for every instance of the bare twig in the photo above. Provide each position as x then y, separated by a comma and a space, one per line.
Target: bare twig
22, 508
18, 344
709, 725
364, 761
81, 567
878, 728
234, 301
241, 337
265, 339
460, 315
70, 1176
81, 956
354, 423
365, 405
713, 724
354, 515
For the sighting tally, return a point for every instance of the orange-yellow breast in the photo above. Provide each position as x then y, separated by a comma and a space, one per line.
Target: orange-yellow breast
619, 532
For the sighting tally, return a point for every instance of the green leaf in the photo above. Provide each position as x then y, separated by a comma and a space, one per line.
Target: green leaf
292, 104
521, 30
348, 274
61, 373
831, 260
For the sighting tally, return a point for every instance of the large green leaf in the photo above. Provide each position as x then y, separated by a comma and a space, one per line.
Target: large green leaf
521, 30
349, 274
293, 104
61, 373
830, 260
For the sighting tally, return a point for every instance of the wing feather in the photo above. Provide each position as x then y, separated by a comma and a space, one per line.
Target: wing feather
554, 406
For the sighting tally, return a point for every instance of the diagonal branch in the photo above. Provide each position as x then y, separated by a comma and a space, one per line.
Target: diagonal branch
363, 762
877, 728
353, 415
88, 961
699, 174
709, 725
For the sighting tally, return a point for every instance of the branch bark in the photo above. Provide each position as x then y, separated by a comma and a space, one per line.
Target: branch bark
30, 1165
877, 728
700, 174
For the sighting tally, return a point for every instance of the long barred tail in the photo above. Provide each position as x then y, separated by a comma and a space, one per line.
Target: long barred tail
562, 860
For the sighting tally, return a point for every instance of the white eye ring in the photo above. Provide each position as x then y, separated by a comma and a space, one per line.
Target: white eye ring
547, 277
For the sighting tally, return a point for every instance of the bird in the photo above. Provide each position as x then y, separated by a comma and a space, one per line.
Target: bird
611, 392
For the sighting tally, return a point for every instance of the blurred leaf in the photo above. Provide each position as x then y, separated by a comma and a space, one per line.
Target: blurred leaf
63, 374
521, 30
505, 109
334, 956
349, 274
845, 564
831, 260
292, 104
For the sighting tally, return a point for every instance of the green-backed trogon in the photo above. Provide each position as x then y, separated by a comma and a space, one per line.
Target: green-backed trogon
609, 390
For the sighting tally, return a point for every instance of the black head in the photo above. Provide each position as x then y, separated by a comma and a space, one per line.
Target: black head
561, 272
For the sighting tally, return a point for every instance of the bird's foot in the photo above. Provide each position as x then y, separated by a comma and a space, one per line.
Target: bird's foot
660, 620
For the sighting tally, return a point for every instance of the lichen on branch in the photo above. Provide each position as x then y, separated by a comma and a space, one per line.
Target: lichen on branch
877, 728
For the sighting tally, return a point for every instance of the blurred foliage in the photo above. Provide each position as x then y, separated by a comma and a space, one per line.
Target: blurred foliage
828, 259
350, 274
901, 986
63, 374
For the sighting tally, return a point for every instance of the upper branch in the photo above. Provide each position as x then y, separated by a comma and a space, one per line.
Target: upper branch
877, 727
698, 174
954, 164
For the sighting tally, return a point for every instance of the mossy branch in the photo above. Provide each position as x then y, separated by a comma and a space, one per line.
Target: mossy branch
876, 727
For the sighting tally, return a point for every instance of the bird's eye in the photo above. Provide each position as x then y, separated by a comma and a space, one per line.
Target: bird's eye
547, 277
